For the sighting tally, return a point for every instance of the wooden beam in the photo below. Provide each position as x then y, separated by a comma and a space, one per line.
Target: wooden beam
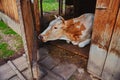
28, 31
36, 16
36, 20
102, 31
112, 65
41, 9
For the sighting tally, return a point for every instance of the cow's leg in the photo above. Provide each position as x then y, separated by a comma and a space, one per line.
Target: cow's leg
84, 43
68, 41
75, 43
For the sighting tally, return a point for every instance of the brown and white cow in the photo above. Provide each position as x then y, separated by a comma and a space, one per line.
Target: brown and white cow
77, 30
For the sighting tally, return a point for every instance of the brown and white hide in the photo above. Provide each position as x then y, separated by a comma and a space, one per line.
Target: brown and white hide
76, 30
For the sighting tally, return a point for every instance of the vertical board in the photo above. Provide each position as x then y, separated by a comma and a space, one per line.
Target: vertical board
9, 7
112, 66
36, 16
101, 37
28, 33
28, 26
60, 7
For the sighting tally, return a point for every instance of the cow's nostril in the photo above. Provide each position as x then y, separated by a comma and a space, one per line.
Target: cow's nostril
40, 37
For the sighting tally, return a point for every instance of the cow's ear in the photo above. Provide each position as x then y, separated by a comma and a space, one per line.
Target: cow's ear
55, 16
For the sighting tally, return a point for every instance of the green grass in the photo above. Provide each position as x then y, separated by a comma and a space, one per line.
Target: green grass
49, 5
5, 29
4, 51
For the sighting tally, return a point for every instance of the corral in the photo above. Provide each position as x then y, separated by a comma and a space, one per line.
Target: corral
101, 58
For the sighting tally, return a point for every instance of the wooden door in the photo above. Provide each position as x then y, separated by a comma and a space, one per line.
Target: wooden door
105, 17
111, 69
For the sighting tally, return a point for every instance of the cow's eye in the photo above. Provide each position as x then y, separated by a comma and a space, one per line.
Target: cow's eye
55, 27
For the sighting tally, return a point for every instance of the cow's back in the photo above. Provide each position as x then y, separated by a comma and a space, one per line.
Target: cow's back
87, 19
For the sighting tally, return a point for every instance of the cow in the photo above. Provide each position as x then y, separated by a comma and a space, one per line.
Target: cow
77, 30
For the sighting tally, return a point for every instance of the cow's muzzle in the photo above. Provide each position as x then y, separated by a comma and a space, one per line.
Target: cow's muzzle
40, 37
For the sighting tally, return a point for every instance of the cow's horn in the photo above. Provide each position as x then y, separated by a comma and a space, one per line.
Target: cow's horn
62, 18
55, 16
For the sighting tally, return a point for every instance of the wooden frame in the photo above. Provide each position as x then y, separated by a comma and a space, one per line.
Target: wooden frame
104, 23
30, 30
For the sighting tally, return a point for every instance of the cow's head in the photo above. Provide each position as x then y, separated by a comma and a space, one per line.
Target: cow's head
54, 30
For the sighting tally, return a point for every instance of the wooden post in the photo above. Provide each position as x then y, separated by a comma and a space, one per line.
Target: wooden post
41, 9
102, 31
28, 34
112, 65
36, 15
60, 7
36, 20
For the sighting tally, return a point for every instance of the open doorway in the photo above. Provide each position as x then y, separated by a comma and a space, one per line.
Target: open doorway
59, 48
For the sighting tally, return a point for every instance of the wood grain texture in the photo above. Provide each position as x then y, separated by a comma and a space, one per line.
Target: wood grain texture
27, 30
7, 73
36, 16
28, 26
101, 37
9, 7
112, 66
103, 4
15, 69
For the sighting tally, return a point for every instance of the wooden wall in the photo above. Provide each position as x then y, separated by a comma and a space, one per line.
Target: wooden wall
28, 25
101, 57
9, 7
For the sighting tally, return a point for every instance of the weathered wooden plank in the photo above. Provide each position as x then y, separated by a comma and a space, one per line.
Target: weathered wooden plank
27, 74
15, 78
101, 37
27, 30
36, 19
6, 72
65, 70
36, 12
112, 65
21, 63
9, 8
11, 23
16, 70
102, 4
28, 26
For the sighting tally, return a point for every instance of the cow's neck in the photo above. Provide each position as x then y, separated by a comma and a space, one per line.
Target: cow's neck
64, 37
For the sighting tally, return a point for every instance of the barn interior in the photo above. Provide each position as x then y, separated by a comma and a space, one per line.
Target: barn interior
103, 59
59, 49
